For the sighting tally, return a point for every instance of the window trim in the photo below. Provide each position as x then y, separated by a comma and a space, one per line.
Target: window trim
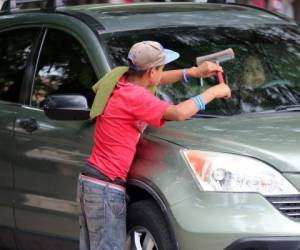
31, 77
31, 68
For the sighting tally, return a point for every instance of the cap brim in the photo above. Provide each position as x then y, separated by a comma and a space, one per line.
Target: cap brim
170, 55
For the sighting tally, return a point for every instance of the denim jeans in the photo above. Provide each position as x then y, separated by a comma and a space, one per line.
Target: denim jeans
102, 216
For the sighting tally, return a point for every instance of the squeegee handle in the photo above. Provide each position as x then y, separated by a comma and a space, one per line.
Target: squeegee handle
220, 77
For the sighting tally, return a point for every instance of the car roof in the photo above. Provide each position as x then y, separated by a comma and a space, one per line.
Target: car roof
115, 18
106, 18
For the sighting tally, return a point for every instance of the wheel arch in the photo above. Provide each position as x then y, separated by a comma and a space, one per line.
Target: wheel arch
142, 189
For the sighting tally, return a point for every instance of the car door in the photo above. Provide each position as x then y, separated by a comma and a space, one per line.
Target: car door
7, 225
16, 46
51, 152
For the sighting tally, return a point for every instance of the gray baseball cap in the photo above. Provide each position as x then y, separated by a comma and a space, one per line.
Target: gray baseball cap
148, 54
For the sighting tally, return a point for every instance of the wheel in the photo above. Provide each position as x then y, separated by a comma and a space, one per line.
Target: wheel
147, 228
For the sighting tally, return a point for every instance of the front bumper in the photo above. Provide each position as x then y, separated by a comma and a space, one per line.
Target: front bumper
266, 243
213, 221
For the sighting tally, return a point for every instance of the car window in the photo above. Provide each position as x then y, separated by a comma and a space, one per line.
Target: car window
63, 68
265, 73
15, 48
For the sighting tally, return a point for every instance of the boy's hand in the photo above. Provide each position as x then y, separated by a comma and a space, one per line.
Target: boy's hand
206, 69
221, 91
217, 91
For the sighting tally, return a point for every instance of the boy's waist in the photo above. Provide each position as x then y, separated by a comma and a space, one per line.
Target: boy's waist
91, 171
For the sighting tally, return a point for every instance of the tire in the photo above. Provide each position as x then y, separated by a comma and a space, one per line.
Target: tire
147, 228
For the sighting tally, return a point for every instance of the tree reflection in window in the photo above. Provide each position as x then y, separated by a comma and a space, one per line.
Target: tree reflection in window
62, 69
15, 48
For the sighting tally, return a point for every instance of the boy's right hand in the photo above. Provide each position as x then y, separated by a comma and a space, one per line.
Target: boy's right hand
221, 91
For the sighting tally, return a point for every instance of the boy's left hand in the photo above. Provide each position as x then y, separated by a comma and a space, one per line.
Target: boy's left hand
206, 69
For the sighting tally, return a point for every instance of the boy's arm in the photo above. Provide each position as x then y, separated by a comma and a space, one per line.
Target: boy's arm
206, 69
188, 108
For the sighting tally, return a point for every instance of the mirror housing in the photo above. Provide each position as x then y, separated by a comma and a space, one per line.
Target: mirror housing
66, 107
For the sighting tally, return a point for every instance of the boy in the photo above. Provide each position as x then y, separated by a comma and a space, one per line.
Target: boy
130, 107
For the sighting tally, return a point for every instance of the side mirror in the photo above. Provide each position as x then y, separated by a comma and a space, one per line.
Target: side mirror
66, 107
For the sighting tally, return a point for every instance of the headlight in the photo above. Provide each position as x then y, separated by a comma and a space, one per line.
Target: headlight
232, 173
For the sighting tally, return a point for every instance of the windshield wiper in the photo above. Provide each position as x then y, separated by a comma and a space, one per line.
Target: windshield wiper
207, 116
293, 107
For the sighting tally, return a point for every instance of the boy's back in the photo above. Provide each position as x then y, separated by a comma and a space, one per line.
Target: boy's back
118, 129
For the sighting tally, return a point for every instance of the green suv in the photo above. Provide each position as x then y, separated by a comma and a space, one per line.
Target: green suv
229, 178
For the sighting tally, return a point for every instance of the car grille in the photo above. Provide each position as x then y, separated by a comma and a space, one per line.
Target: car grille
288, 205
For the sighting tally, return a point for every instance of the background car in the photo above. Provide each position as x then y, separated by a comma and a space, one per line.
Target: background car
229, 178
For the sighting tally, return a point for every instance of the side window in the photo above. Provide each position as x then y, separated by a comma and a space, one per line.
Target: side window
64, 68
15, 48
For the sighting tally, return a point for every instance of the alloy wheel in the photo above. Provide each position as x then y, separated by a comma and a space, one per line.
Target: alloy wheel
139, 238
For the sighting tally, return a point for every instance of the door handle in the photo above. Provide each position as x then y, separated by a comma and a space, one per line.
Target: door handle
29, 124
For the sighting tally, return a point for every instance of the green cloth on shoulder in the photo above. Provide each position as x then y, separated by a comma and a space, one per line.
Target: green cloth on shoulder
104, 88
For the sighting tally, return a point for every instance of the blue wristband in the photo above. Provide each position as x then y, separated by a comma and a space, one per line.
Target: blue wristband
199, 102
184, 75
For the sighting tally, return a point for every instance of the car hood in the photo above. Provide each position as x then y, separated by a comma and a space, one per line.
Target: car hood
271, 137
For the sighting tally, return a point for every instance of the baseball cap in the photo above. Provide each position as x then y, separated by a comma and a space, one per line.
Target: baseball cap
148, 54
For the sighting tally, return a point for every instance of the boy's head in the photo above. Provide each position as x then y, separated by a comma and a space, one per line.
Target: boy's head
149, 57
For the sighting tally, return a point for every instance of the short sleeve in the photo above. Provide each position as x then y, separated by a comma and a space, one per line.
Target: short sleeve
148, 108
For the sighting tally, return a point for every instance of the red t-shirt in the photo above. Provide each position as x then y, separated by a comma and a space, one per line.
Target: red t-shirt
118, 129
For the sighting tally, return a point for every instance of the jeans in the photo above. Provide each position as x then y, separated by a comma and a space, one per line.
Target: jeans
102, 216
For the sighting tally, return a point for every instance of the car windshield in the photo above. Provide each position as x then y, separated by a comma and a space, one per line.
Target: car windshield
263, 76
